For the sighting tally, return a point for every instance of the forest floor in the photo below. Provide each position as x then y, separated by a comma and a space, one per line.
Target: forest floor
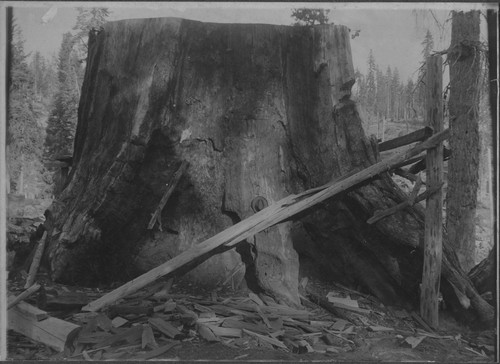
376, 333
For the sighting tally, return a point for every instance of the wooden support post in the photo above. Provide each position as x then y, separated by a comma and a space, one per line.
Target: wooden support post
171, 187
433, 241
36, 261
269, 216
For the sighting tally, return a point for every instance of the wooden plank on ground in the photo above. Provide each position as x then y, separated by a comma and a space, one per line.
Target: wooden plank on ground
51, 331
433, 235
267, 339
34, 312
269, 216
12, 301
416, 136
165, 327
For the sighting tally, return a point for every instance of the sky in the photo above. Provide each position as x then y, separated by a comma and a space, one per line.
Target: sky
394, 31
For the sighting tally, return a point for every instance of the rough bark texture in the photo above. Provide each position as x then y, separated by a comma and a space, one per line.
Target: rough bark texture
463, 167
248, 106
433, 240
484, 275
256, 110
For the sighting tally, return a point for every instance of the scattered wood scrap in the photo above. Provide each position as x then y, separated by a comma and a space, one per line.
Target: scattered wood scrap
239, 322
263, 219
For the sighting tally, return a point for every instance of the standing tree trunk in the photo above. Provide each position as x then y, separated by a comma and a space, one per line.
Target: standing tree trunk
259, 112
465, 61
20, 183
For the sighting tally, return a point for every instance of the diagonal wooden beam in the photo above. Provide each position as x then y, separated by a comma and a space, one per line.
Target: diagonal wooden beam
171, 187
416, 136
392, 210
269, 216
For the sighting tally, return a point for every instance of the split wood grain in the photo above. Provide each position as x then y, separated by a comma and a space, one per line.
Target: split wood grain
433, 232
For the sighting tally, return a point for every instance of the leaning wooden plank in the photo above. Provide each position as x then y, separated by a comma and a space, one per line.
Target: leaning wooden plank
52, 331
171, 187
403, 173
22, 296
269, 216
392, 210
421, 165
415, 191
416, 136
28, 310
36, 261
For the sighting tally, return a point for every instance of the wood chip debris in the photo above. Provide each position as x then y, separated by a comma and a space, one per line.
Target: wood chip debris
152, 325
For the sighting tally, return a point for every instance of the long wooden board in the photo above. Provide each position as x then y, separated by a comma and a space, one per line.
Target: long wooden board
51, 331
416, 136
263, 219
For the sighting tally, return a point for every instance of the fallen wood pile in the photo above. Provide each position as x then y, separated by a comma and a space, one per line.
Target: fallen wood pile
154, 323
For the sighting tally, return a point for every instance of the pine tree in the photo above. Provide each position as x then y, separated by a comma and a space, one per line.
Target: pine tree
380, 106
428, 46
62, 120
308, 17
44, 77
24, 134
360, 87
395, 93
371, 88
387, 92
410, 96
88, 19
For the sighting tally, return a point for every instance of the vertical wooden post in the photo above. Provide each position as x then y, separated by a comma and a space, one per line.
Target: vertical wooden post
429, 292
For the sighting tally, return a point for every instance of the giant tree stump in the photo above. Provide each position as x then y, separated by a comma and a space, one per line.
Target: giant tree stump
259, 112
248, 106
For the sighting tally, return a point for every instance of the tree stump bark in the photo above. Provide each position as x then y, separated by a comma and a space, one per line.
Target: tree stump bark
248, 106
259, 112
